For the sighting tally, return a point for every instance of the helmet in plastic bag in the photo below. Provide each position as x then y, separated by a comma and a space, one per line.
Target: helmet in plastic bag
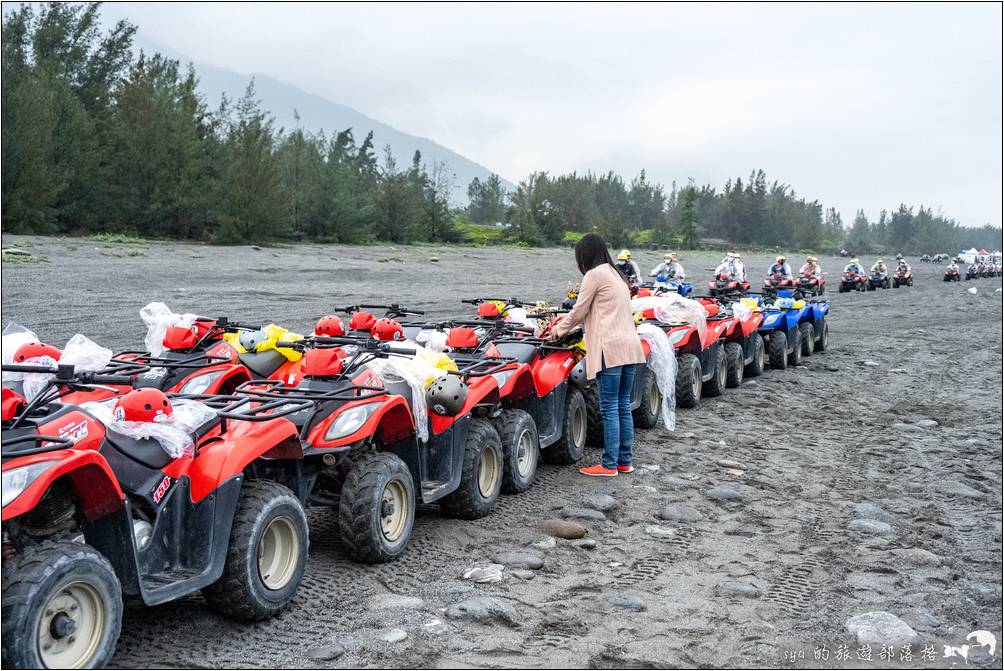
786, 303
362, 321
34, 350
143, 405
250, 340
578, 375
446, 395
329, 325
387, 329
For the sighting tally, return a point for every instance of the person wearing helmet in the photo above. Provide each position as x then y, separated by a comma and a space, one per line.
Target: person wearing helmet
855, 267
781, 268
879, 268
731, 266
811, 268
903, 266
250, 340
613, 349
629, 267
740, 266
670, 269
143, 405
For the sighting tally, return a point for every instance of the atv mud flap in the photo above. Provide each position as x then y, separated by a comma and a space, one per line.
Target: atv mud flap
547, 412
443, 461
637, 391
187, 547
708, 361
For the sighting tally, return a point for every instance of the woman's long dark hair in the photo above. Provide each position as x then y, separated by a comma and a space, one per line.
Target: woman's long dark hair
591, 251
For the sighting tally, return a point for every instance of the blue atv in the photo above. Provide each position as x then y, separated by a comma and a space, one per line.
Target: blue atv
815, 331
781, 330
679, 286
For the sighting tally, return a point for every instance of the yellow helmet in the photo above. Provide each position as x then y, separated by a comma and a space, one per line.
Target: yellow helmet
624, 255
855, 260
737, 255
779, 259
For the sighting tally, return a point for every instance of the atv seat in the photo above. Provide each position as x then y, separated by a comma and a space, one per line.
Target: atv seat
149, 451
262, 364
522, 352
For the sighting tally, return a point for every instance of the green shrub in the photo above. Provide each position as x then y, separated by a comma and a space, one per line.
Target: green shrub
120, 238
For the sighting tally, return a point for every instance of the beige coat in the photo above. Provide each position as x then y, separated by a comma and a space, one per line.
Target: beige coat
604, 304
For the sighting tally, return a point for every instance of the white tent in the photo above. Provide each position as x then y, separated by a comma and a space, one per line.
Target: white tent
969, 256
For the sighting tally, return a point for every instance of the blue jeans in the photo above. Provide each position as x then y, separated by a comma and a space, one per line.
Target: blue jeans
616, 385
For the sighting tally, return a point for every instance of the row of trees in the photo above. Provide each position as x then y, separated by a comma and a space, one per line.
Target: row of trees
97, 138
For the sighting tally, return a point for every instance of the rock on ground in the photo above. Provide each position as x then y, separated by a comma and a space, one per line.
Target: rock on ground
879, 628
562, 528
483, 609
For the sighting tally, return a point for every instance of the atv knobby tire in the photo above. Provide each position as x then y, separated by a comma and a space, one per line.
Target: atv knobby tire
688, 380
716, 385
594, 420
755, 367
808, 338
574, 426
267, 515
67, 575
646, 415
824, 338
795, 357
376, 509
777, 350
734, 355
481, 477
520, 447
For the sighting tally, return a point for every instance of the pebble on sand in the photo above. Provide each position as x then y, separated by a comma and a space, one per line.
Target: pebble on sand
602, 502
733, 588
729, 463
927, 423
382, 601
483, 609
723, 494
562, 529
870, 364
436, 627
873, 527
394, 635
917, 557
870, 511
544, 544
485, 574
626, 600
530, 560
678, 513
659, 532
583, 514
433, 259
325, 653
899, 426
584, 543
879, 628
523, 574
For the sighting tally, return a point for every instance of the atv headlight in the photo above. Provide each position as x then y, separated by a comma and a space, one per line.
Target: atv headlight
676, 336
350, 421
771, 320
200, 383
16, 480
503, 377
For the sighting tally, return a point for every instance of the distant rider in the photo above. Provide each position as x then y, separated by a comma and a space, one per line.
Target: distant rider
731, 267
811, 268
952, 267
629, 267
670, 269
880, 269
855, 267
781, 268
903, 266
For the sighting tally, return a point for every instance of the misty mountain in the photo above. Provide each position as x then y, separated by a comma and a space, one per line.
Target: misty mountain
317, 113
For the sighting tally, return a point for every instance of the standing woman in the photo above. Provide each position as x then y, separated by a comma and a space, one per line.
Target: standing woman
612, 348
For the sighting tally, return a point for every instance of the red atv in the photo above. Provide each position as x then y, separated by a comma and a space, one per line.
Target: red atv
199, 361
778, 281
852, 281
902, 278
811, 285
361, 451
724, 285
952, 275
745, 350
91, 514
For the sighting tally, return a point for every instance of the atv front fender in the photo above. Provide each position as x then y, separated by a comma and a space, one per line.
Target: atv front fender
92, 480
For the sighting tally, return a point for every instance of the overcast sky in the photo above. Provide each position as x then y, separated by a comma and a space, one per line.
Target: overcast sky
857, 105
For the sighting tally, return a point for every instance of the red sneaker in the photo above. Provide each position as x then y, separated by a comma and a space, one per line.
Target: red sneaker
625, 469
599, 471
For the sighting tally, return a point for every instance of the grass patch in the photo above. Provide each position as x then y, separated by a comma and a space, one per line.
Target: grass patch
135, 252
390, 259
197, 256
24, 258
20, 243
477, 234
119, 238
72, 248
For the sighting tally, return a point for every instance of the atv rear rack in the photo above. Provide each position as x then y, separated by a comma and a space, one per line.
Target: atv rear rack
39, 442
146, 359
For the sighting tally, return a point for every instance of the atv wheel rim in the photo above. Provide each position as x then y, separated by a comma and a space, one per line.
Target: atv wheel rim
394, 509
654, 399
695, 384
488, 472
723, 372
525, 454
579, 427
71, 626
278, 553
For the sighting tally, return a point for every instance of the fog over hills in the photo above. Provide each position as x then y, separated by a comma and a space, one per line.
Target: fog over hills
318, 113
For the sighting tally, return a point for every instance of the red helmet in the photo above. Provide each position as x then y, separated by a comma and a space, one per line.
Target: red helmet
362, 321
462, 337
387, 329
329, 325
644, 292
143, 405
32, 350
323, 362
488, 309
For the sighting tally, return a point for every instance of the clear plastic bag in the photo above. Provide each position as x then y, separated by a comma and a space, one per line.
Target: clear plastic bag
662, 362
85, 354
674, 309
418, 373
741, 310
521, 317
80, 351
158, 317
14, 335
174, 432
431, 339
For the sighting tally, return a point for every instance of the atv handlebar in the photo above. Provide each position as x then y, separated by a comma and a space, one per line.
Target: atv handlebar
67, 374
225, 324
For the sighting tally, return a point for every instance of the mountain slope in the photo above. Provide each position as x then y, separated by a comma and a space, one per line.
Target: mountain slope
317, 113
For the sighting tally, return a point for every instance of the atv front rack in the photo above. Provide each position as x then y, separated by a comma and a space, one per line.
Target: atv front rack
200, 360
37, 442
